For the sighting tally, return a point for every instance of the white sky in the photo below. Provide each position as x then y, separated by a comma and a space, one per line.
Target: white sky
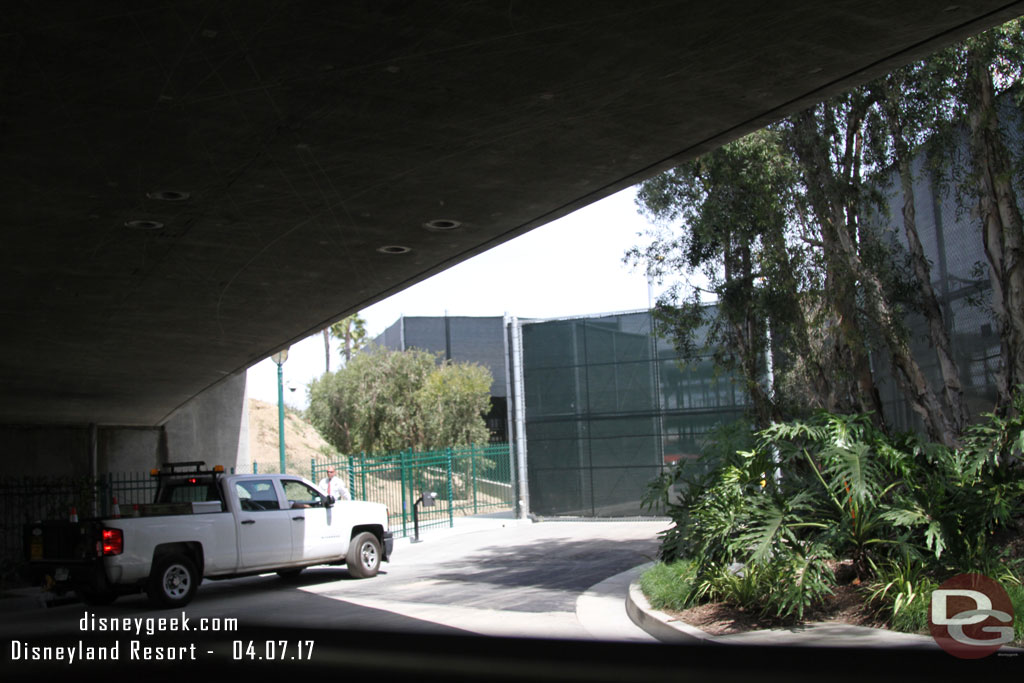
572, 266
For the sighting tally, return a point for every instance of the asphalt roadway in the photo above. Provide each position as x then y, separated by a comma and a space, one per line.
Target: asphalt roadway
487, 576
493, 599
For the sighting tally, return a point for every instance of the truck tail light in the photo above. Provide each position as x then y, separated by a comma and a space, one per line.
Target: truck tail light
113, 542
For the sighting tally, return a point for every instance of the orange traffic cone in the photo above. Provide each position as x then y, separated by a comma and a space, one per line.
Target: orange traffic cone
74, 514
116, 509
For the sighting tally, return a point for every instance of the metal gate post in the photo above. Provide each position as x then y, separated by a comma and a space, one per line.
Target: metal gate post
472, 462
405, 512
362, 472
451, 514
351, 475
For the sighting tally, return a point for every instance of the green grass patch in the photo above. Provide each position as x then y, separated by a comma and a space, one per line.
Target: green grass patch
912, 617
1016, 592
669, 586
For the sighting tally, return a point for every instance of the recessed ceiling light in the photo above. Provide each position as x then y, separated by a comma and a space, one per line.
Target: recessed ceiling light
394, 249
441, 224
143, 225
169, 195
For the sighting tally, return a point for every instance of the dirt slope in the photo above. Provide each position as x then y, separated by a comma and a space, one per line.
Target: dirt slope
301, 440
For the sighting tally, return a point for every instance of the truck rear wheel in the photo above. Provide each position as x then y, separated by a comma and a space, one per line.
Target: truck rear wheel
363, 558
173, 580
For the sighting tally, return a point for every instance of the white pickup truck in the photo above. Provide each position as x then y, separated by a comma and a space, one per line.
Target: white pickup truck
206, 524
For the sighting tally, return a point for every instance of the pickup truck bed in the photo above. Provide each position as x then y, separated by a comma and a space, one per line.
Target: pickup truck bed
210, 525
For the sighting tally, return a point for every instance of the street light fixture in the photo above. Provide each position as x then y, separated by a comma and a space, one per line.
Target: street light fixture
280, 357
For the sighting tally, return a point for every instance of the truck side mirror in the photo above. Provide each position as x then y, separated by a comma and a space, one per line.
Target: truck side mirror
328, 501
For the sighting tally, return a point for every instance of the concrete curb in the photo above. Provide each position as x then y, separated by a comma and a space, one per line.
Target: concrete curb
657, 623
670, 630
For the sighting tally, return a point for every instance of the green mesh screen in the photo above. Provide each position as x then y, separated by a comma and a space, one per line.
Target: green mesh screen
607, 406
951, 235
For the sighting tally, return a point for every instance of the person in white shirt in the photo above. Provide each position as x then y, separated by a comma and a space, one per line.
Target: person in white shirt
332, 485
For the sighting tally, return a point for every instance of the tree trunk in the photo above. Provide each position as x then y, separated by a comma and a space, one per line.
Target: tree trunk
826, 198
952, 388
1002, 226
836, 199
916, 389
791, 339
741, 324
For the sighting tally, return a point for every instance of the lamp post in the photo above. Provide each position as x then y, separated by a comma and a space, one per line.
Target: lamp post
280, 357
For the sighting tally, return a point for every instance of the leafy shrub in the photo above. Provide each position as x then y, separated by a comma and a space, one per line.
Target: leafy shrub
786, 500
902, 591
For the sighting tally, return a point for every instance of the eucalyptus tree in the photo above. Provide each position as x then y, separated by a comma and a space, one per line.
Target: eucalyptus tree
827, 146
911, 103
828, 141
986, 66
783, 226
728, 216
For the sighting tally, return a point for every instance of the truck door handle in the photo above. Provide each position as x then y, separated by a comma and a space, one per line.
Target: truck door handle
248, 521
298, 519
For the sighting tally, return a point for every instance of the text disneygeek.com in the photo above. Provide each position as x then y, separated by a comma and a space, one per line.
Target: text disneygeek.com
139, 649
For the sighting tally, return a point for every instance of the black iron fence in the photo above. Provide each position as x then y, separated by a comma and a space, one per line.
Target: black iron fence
27, 499
469, 480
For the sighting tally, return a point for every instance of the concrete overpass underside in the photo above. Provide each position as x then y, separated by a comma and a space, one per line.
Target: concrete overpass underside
188, 186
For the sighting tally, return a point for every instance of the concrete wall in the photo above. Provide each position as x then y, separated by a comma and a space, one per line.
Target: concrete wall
213, 427
29, 450
127, 449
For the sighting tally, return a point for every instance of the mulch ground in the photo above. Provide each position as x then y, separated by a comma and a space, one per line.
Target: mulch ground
846, 606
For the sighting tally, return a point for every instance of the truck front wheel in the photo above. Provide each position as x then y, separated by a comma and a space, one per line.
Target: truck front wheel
363, 559
173, 581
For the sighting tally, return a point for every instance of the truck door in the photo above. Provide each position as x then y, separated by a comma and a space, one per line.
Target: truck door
317, 532
264, 527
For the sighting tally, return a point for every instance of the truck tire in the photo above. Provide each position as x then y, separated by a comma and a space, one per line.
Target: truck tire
173, 580
363, 558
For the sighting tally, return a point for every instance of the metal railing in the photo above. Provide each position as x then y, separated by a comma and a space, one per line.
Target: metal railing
27, 499
469, 480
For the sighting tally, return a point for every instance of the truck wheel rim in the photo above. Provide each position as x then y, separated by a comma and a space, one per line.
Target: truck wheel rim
176, 581
369, 555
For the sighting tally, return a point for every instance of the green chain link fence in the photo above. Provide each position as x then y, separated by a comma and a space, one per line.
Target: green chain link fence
469, 480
